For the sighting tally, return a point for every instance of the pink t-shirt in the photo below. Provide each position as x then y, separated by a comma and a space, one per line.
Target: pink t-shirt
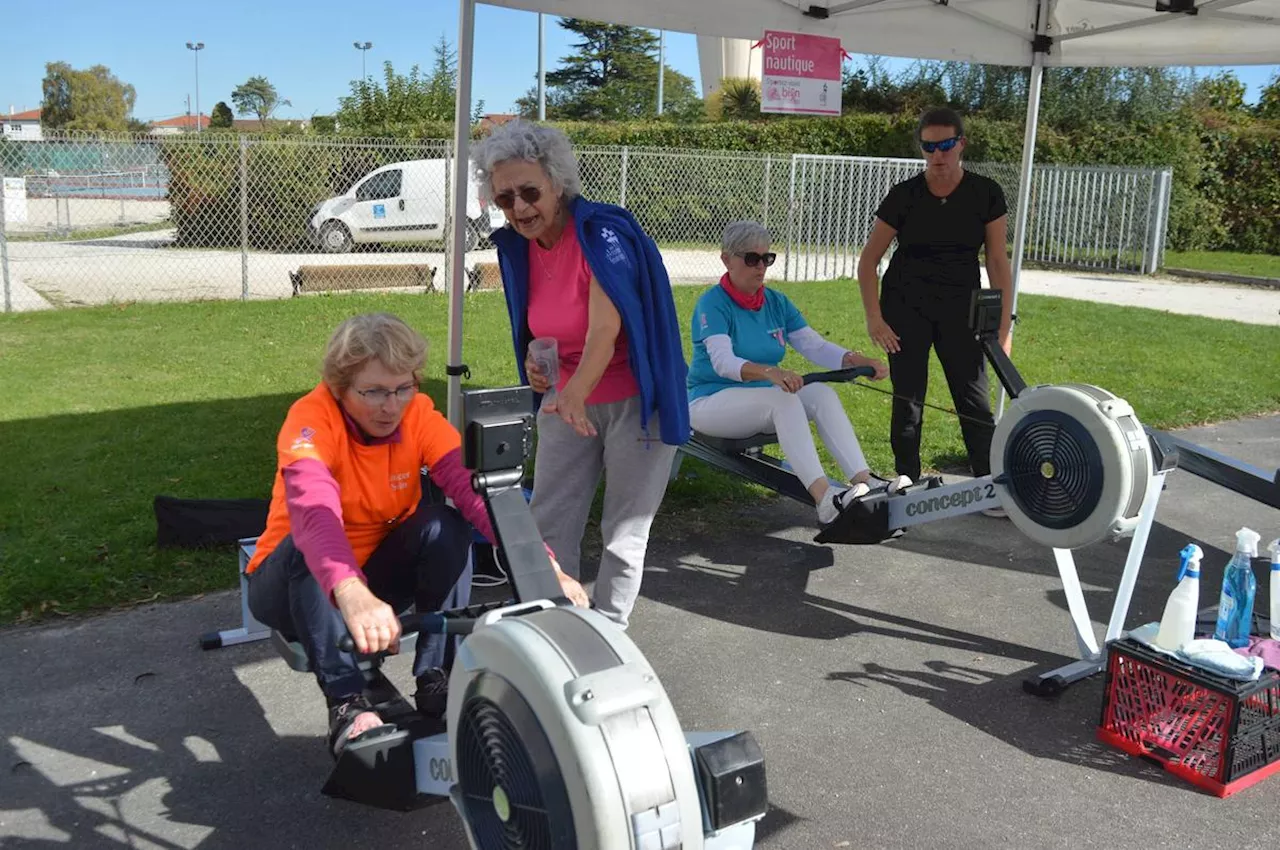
559, 299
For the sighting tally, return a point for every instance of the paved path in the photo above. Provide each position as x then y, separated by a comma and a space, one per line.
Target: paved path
145, 266
883, 683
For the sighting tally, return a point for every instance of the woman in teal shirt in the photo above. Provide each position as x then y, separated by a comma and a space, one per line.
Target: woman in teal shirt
736, 389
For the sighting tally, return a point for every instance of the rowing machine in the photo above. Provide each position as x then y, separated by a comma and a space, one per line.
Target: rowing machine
747, 457
1071, 465
559, 733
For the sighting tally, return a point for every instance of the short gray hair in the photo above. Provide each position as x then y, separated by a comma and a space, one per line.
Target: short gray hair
531, 142
739, 236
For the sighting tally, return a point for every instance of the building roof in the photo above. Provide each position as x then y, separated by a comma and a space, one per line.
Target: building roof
29, 115
184, 122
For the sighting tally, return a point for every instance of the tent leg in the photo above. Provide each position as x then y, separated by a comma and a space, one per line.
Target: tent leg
460, 184
1024, 176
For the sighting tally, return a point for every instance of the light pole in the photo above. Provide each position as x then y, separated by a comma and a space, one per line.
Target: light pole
662, 61
542, 71
197, 47
362, 48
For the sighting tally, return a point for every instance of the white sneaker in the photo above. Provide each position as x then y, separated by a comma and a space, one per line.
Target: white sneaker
997, 512
899, 483
834, 500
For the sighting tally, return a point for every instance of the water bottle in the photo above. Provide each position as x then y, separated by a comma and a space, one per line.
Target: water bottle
1274, 549
1178, 625
1235, 606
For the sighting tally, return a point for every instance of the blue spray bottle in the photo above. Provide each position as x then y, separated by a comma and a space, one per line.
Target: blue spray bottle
1235, 608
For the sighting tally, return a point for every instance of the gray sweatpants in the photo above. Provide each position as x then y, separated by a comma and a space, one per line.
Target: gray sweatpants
566, 473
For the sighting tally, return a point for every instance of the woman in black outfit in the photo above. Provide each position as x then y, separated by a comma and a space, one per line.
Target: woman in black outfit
941, 218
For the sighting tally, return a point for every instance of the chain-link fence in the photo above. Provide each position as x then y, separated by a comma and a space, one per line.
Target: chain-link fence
189, 217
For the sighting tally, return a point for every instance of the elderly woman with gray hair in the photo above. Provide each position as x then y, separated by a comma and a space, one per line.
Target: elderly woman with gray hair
586, 276
736, 388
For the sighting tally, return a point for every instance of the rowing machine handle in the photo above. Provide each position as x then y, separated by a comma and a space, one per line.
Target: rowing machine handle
839, 375
433, 623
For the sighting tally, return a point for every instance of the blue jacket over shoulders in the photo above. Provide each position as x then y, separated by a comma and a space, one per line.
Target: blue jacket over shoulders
630, 270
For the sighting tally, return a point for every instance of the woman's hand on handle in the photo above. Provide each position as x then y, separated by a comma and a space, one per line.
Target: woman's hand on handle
856, 358
373, 625
882, 335
785, 379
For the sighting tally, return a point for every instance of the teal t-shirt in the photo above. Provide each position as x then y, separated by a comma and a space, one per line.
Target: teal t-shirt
759, 336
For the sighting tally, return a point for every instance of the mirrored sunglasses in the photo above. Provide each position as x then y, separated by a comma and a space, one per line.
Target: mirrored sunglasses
944, 145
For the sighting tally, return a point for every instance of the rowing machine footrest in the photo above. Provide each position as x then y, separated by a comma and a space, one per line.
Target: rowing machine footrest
866, 521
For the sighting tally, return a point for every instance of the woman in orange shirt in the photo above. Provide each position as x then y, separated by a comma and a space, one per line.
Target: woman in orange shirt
349, 540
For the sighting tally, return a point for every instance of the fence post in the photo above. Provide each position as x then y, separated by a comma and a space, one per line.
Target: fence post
1159, 222
791, 211
244, 217
622, 189
4, 247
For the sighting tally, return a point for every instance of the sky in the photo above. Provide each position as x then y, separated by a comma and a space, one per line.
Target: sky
304, 50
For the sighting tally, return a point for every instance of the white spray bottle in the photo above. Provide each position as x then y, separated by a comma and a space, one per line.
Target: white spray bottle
1178, 625
1274, 549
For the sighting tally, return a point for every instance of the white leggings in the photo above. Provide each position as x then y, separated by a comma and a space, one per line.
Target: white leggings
739, 412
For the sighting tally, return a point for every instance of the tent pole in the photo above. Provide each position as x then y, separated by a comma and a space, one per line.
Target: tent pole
1039, 49
460, 184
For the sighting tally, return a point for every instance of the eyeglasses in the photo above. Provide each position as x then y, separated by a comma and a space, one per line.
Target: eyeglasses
753, 258
529, 194
944, 145
378, 396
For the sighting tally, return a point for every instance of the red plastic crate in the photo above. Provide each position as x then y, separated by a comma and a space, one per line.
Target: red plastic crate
1220, 734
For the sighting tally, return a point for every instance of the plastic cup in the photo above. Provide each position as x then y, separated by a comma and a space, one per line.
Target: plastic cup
544, 351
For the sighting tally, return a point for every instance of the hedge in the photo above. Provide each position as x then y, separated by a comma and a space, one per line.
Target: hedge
1226, 187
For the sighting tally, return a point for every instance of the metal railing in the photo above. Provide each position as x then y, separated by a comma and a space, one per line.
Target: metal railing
124, 218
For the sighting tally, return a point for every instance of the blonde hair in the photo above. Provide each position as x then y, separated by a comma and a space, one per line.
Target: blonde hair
370, 336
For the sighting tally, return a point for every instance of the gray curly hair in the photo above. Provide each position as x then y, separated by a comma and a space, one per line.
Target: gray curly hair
531, 142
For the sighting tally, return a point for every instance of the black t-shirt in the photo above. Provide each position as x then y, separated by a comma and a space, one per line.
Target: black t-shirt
939, 238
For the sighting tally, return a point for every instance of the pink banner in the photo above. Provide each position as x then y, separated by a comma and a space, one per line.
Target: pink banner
800, 74
791, 54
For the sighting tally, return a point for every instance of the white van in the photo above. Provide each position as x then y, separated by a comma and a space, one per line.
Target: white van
400, 202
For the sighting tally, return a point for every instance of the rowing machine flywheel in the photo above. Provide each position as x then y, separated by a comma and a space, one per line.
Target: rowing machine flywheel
564, 739
1073, 464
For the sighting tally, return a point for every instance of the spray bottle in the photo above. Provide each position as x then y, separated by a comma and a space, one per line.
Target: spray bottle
1235, 606
1274, 549
1178, 625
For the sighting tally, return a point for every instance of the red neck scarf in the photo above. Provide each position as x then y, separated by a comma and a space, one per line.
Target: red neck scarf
746, 302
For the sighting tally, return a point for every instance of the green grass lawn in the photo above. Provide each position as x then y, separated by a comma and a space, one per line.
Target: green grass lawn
1225, 262
104, 408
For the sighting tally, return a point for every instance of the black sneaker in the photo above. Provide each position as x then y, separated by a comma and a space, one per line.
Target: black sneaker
432, 696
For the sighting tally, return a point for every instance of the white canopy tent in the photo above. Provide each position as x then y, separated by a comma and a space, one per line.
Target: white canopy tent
1028, 33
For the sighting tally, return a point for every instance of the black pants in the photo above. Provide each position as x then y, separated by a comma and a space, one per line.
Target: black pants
926, 317
426, 561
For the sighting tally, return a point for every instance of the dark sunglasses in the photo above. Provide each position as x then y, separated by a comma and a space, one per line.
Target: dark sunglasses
529, 194
944, 145
753, 258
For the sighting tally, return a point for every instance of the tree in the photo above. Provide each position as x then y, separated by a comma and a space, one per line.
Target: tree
1269, 100
1222, 92
256, 96
400, 101
737, 99
92, 100
220, 118
612, 76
